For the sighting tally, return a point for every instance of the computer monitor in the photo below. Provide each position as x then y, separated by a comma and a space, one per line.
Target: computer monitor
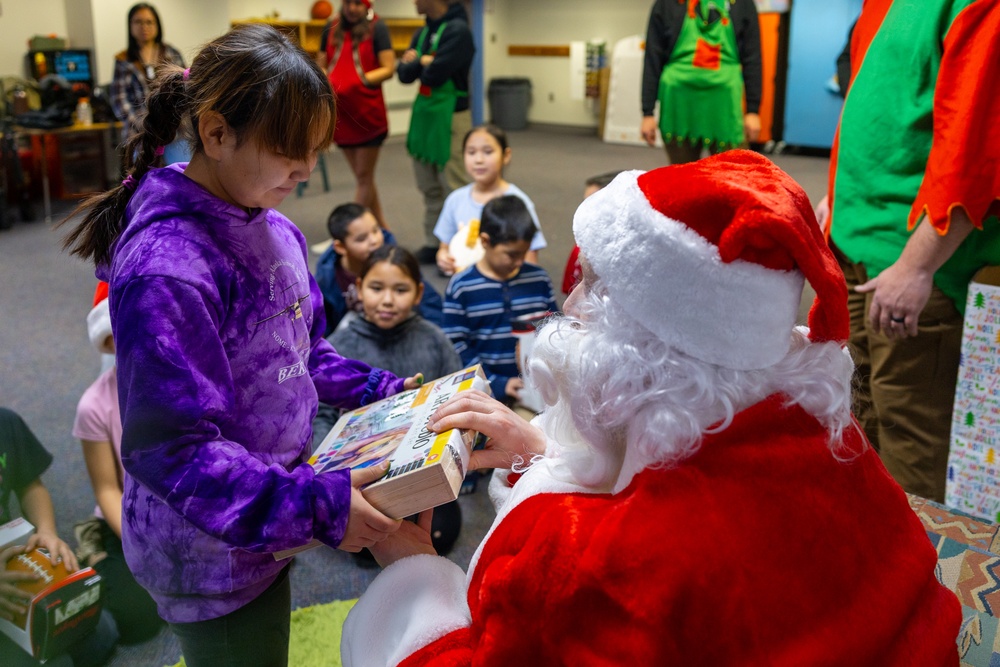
74, 65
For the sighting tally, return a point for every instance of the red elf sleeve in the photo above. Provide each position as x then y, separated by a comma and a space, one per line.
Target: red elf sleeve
964, 164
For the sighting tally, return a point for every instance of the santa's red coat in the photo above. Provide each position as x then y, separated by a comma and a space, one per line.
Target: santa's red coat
762, 549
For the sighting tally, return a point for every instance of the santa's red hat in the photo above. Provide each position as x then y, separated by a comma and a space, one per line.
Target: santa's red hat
99, 320
711, 256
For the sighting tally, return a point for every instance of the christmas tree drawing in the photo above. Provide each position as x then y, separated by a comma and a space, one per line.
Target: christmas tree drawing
973, 480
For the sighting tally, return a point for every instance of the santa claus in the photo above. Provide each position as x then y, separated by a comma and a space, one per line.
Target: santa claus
697, 492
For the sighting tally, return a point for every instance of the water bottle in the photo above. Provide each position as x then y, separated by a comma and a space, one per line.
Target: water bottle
20, 101
84, 113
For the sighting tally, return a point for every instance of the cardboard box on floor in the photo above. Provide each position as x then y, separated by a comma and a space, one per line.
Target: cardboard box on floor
61, 612
973, 483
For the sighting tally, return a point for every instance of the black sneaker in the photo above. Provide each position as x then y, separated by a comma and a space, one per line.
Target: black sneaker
445, 527
426, 255
364, 559
469, 483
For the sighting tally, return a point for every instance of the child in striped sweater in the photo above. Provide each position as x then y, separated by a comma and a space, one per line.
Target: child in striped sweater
482, 300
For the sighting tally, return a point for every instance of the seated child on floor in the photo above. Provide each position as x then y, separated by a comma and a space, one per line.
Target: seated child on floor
481, 302
23, 459
391, 333
486, 153
98, 426
355, 234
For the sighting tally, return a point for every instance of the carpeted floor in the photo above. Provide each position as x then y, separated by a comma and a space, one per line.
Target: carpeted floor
314, 640
46, 361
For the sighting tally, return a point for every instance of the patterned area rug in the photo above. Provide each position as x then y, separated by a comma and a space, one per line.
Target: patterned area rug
315, 635
968, 563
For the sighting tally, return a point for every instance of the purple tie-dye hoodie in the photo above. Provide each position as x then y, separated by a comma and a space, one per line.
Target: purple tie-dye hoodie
218, 326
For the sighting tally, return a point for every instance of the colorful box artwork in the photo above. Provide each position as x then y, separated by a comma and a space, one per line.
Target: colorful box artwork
974, 461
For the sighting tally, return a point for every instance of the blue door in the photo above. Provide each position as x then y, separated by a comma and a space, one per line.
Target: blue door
817, 34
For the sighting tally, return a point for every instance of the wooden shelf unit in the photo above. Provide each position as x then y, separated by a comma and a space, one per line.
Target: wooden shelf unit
401, 32
308, 33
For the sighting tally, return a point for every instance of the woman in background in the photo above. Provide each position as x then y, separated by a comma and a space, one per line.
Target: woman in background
135, 69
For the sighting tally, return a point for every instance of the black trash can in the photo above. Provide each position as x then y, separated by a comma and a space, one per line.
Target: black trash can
509, 100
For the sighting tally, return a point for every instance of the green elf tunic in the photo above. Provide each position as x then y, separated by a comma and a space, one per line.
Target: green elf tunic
701, 87
922, 135
429, 137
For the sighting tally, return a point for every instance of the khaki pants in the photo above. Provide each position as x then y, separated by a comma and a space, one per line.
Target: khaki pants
436, 183
905, 389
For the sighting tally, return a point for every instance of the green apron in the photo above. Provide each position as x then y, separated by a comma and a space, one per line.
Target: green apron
701, 87
429, 137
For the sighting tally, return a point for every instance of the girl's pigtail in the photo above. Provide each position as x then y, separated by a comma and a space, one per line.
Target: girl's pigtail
166, 104
165, 108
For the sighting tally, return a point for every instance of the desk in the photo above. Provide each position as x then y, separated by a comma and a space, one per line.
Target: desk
107, 131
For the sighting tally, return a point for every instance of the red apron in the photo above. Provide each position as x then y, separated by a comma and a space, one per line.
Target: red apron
361, 113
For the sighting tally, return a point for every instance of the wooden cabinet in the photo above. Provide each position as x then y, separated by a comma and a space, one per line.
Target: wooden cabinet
81, 164
308, 33
401, 32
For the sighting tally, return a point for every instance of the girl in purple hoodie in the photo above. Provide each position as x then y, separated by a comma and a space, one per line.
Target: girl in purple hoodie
220, 349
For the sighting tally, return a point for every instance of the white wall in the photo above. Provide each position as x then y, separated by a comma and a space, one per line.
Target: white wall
532, 22
21, 20
80, 24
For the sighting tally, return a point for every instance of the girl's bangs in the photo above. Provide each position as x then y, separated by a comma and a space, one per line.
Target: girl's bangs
299, 128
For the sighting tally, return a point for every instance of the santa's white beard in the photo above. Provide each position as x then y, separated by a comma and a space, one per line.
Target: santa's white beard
621, 400
554, 367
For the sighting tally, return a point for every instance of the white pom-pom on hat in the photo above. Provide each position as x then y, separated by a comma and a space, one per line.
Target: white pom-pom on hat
99, 321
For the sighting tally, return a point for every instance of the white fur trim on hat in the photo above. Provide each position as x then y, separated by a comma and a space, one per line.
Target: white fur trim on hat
99, 327
673, 281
